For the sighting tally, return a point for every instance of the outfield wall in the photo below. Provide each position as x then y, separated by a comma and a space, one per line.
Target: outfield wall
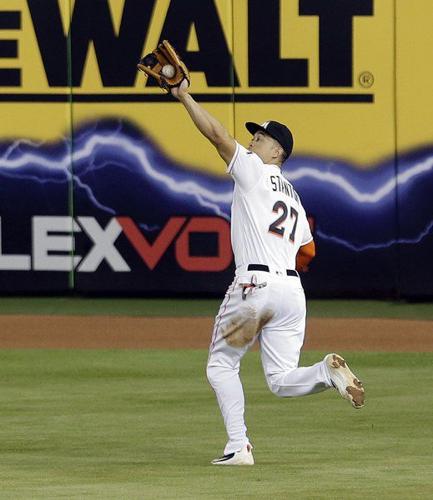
105, 185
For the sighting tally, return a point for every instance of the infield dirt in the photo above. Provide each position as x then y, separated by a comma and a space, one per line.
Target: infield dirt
124, 332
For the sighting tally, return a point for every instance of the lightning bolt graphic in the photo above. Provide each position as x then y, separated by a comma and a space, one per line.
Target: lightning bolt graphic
376, 246
134, 150
16, 146
97, 147
363, 197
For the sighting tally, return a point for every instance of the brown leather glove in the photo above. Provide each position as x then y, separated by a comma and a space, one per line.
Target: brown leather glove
165, 66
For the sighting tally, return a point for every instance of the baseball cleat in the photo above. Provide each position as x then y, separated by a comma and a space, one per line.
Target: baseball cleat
346, 383
241, 457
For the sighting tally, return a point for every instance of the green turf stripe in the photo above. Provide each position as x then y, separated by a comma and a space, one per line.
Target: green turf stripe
204, 307
109, 306
369, 309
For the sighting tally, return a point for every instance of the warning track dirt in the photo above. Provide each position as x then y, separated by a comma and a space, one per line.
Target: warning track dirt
124, 332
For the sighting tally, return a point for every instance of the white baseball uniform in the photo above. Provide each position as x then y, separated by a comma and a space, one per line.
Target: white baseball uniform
266, 299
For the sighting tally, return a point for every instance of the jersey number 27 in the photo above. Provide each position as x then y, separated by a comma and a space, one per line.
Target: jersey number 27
277, 226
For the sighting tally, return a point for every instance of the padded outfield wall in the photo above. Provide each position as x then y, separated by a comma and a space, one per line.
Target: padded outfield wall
105, 185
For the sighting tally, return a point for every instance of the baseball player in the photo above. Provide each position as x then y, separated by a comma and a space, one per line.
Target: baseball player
271, 242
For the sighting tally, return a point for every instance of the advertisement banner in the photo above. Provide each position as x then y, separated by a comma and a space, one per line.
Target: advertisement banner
106, 186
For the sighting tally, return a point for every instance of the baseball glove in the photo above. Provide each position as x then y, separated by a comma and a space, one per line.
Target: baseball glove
165, 66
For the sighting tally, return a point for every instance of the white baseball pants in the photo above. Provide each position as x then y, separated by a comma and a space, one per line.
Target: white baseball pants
275, 314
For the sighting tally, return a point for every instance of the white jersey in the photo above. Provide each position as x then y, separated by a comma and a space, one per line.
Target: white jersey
268, 222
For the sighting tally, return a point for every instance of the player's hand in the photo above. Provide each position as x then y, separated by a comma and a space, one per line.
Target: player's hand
181, 90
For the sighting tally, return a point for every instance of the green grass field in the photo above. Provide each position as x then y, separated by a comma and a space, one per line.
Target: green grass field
145, 424
205, 307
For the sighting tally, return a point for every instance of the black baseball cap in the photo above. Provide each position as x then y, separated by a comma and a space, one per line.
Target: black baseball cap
277, 131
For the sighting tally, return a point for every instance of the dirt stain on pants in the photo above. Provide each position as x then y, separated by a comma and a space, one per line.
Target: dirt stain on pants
242, 330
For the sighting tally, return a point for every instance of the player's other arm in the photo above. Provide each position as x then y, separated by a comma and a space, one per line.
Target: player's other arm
305, 255
209, 126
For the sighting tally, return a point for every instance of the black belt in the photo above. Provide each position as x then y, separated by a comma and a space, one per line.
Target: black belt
262, 267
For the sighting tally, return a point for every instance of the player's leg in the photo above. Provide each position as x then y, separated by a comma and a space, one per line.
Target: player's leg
281, 342
236, 327
280, 358
223, 375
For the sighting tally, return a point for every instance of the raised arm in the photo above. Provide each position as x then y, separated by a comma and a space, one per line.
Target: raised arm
209, 126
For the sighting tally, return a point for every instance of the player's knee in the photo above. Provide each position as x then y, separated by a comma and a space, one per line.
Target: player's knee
219, 373
212, 374
276, 389
275, 386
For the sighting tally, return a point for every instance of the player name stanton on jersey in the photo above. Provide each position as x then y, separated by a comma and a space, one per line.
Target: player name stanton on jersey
283, 186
